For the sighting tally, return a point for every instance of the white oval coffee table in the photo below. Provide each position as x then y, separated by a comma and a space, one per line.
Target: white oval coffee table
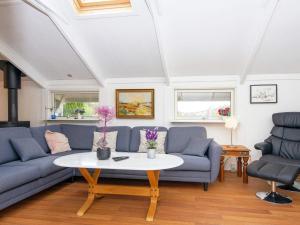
136, 161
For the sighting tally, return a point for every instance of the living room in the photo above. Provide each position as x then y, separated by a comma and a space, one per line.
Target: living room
223, 71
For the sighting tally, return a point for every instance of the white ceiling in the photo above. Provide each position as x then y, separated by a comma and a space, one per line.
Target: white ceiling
182, 38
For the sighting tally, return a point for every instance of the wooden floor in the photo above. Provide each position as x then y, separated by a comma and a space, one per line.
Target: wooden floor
230, 203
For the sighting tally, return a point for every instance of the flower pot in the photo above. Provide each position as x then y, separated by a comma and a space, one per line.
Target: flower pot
103, 153
151, 154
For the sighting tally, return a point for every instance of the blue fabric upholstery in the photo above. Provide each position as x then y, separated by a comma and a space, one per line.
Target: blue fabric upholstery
214, 155
123, 138
135, 137
80, 136
7, 153
38, 133
197, 146
27, 148
192, 163
178, 137
14, 176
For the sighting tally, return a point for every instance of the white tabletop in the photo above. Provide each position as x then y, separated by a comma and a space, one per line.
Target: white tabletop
136, 161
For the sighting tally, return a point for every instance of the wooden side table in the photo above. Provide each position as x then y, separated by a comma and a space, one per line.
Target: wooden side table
242, 154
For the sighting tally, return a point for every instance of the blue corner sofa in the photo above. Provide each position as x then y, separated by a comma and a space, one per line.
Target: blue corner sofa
19, 180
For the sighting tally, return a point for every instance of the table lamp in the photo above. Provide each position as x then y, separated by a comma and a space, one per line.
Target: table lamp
231, 123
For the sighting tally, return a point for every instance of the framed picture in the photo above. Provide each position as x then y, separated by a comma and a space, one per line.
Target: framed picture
135, 103
263, 93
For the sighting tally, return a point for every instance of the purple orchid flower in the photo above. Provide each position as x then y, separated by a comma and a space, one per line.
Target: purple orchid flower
151, 137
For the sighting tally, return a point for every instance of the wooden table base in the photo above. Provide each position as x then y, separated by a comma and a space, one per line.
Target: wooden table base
96, 190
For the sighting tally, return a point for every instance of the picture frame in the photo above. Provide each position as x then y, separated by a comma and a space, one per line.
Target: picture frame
263, 94
135, 103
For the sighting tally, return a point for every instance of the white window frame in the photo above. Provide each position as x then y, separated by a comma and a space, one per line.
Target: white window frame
187, 119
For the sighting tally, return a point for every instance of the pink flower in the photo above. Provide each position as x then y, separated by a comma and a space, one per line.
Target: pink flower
105, 113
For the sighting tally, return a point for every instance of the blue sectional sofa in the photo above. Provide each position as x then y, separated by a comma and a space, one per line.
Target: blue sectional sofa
19, 180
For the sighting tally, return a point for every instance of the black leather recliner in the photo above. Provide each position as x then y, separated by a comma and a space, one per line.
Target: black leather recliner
280, 161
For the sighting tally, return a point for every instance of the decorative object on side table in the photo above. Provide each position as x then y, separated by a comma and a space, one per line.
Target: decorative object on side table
79, 113
241, 153
151, 137
135, 103
105, 114
263, 93
231, 123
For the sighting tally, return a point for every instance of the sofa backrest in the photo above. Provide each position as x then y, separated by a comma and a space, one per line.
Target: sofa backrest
285, 135
7, 153
123, 137
38, 133
135, 137
178, 137
80, 136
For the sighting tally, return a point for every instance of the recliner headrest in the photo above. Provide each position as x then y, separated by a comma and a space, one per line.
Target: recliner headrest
287, 119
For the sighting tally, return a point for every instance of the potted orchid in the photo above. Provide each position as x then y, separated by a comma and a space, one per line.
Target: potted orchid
105, 114
151, 137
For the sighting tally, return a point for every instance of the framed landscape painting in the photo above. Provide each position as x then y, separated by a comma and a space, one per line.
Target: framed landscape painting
263, 93
135, 103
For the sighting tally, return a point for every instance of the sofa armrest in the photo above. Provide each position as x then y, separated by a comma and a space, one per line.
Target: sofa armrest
264, 147
214, 155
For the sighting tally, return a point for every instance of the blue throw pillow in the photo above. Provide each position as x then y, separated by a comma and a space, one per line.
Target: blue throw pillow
197, 146
27, 148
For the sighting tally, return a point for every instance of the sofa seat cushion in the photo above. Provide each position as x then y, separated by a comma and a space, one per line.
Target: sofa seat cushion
14, 176
280, 160
45, 165
192, 163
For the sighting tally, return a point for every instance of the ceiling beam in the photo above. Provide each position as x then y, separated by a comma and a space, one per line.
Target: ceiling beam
72, 37
155, 13
266, 21
22, 64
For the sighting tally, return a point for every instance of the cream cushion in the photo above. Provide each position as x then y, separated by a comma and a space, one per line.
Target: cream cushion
111, 138
57, 142
161, 138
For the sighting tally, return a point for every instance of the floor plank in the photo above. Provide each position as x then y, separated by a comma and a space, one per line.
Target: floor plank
227, 203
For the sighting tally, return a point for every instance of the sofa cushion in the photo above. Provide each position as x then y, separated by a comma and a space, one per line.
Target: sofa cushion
44, 165
13, 176
123, 137
111, 140
27, 148
38, 133
57, 142
192, 163
7, 153
290, 149
135, 137
178, 137
161, 140
80, 136
197, 146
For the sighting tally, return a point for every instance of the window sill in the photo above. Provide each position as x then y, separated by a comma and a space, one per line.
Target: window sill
198, 121
73, 120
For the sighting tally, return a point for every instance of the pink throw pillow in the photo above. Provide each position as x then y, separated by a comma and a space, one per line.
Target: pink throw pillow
57, 142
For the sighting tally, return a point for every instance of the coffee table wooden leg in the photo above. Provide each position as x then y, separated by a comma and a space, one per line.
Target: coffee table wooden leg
153, 177
92, 181
221, 173
239, 166
245, 164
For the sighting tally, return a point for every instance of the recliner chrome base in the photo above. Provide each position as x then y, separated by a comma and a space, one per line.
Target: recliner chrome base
273, 197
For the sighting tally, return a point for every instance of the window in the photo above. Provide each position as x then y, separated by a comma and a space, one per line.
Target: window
92, 5
70, 104
202, 105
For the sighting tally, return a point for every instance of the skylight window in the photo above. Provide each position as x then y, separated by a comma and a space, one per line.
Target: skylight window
96, 5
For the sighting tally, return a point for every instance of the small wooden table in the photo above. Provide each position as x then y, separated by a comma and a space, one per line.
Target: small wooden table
136, 161
241, 153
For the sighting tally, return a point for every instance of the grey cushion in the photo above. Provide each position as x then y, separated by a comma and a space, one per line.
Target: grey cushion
178, 137
27, 148
14, 176
273, 171
38, 133
287, 119
197, 146
280, 160
193, 163
7, 153
123, 137
45, 165
80, 136
135, 137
